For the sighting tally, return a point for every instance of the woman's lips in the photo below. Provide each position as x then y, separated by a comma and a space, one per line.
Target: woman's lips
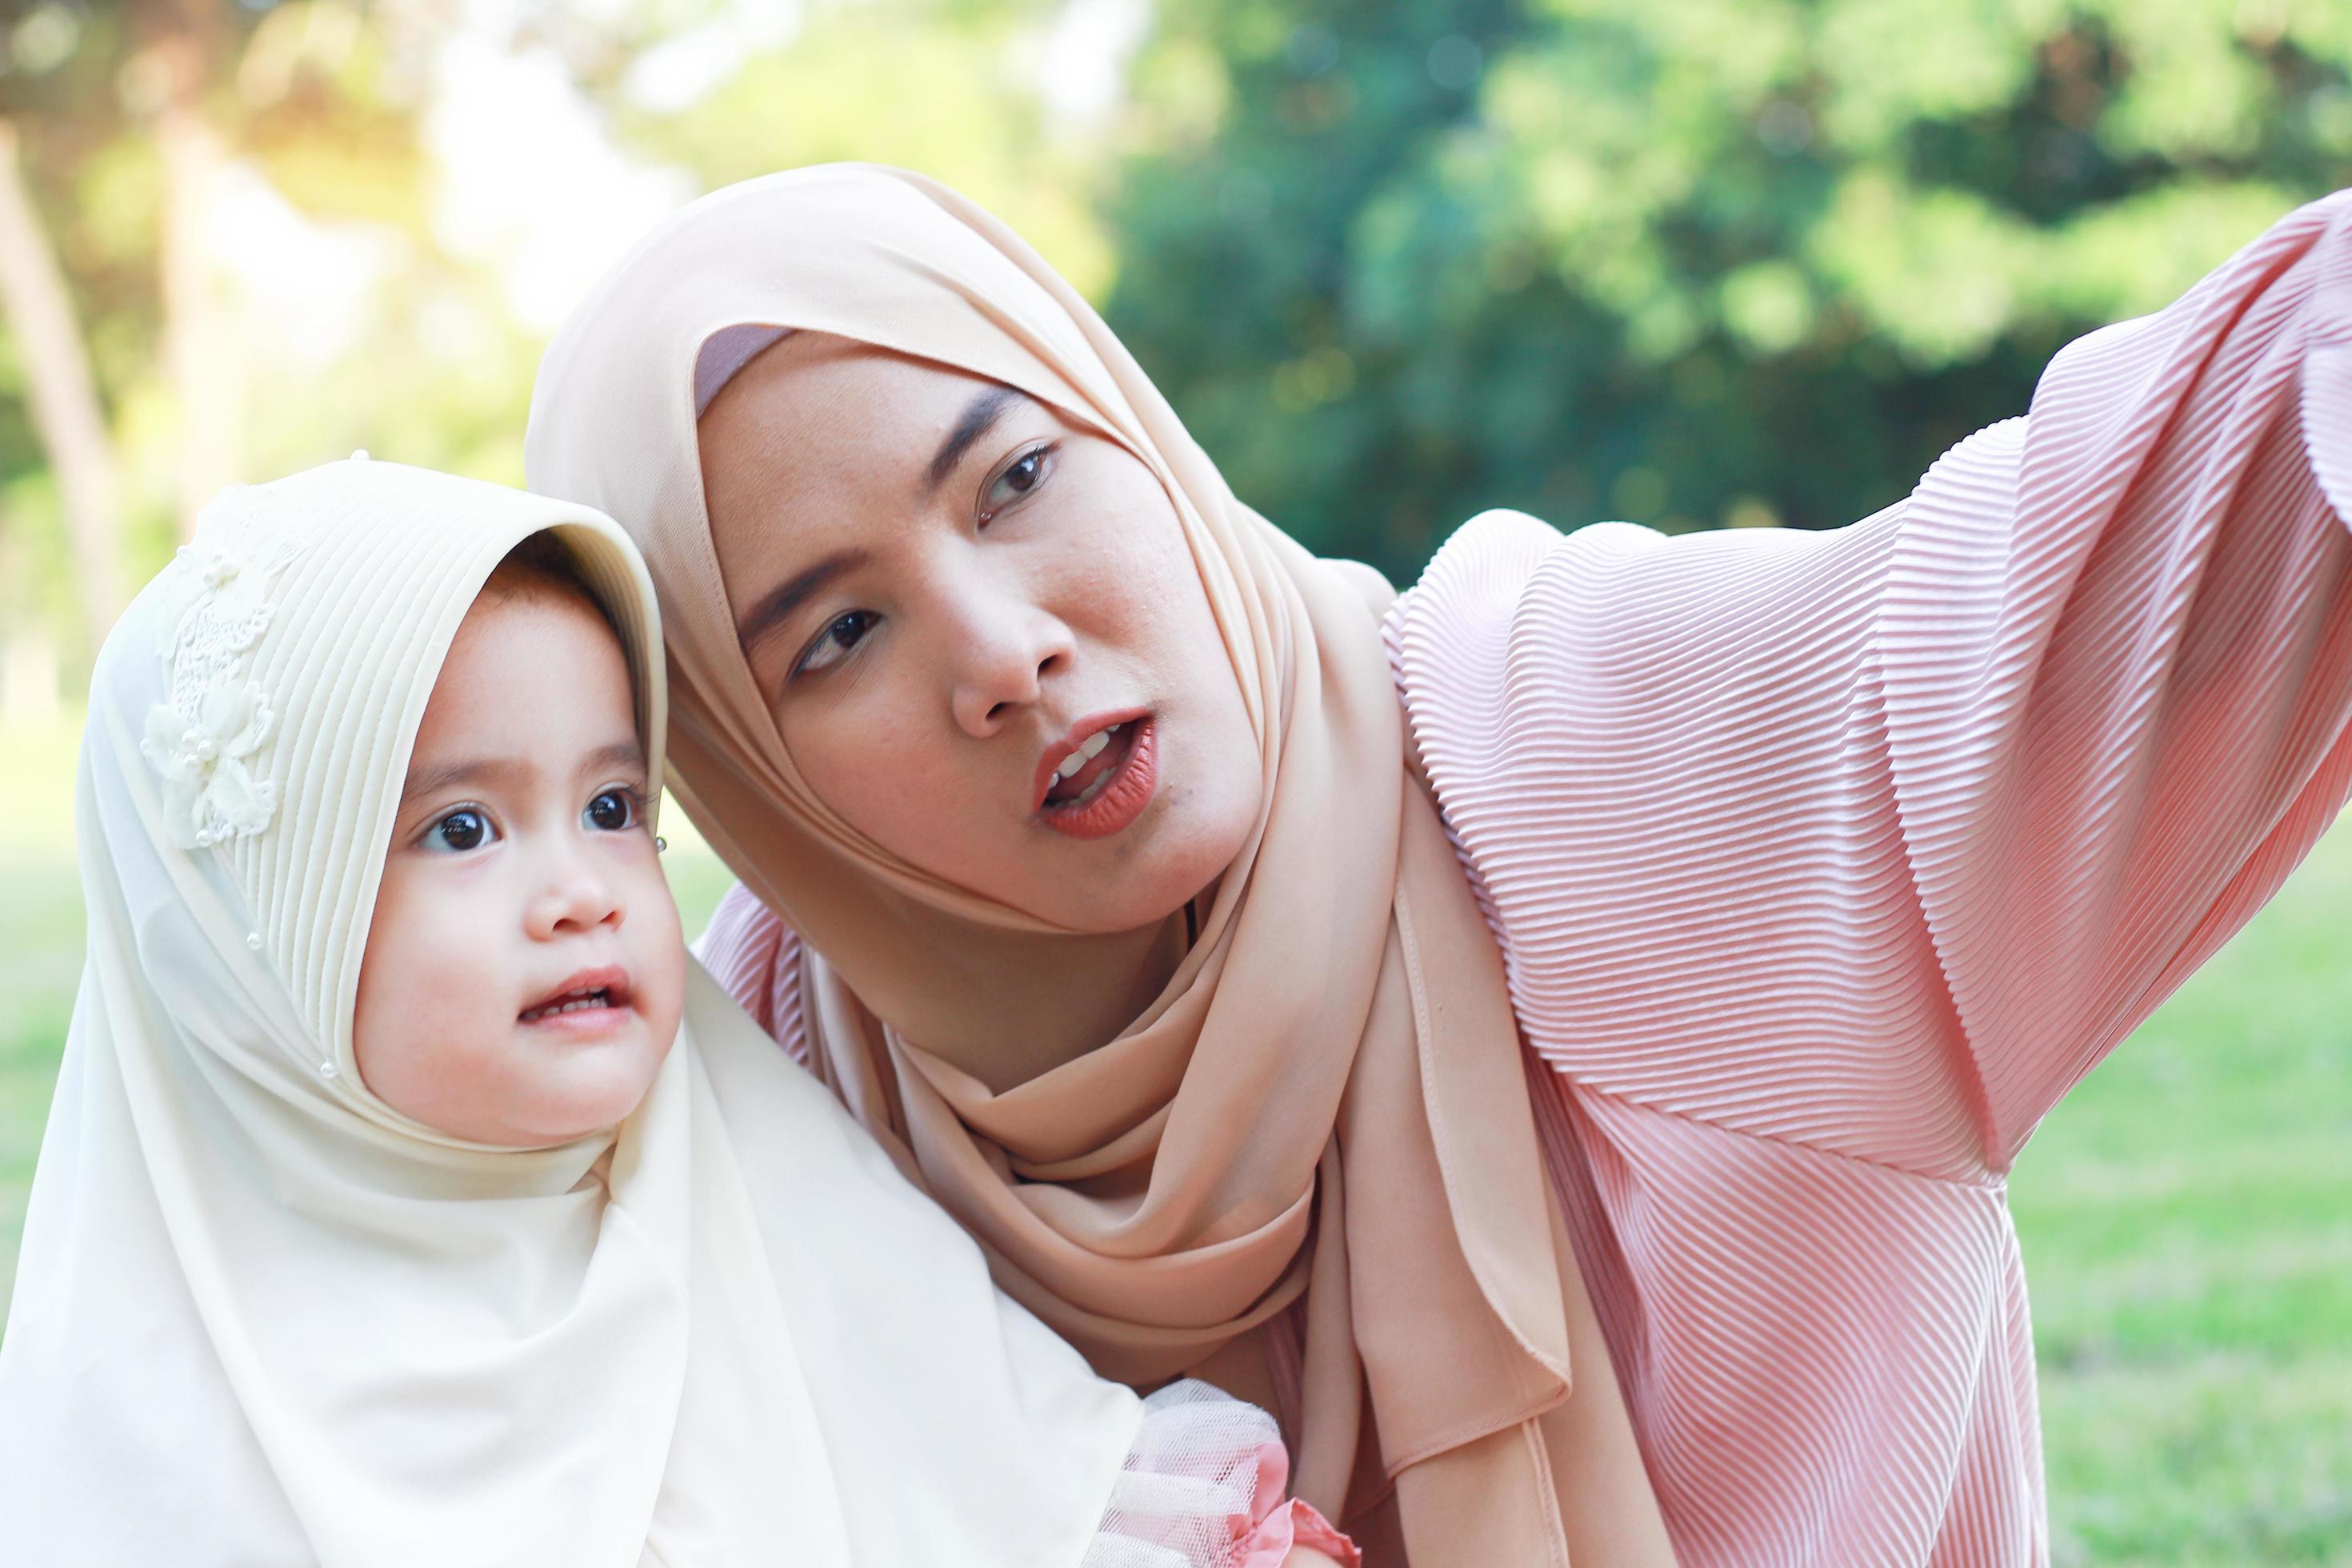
1068, 757
1113, 788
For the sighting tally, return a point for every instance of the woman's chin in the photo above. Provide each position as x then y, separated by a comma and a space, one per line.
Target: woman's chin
1142, 882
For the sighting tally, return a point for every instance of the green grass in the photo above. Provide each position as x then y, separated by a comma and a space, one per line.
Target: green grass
2187, 1215
2187, 1219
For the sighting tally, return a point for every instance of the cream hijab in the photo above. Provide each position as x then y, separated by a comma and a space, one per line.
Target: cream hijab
1326, 1102
263, 1319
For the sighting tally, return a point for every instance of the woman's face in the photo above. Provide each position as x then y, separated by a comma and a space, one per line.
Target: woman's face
979, 632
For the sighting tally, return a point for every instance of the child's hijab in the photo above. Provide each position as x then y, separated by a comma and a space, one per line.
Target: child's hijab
260, 1317
1328, 1090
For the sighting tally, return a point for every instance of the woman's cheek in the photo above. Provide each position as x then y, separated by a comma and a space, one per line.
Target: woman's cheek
876, 765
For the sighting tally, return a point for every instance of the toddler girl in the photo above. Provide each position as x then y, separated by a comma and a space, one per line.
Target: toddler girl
408, 1196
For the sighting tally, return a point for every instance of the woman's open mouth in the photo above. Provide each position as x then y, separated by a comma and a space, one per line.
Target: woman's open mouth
1104, 780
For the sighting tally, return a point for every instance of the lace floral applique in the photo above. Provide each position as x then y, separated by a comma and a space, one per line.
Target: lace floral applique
202, 735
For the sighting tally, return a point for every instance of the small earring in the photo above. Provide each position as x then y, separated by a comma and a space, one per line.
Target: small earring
661, 845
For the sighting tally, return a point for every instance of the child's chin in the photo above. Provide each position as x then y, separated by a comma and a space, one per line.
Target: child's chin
591, 1107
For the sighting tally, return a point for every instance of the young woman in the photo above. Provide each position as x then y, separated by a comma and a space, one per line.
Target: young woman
1624, 1179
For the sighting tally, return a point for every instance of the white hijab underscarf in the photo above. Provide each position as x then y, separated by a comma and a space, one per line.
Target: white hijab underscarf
262, 1318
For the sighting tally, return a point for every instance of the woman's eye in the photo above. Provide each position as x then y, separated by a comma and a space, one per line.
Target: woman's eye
834, 644
1019, 478
611, 811
457, 832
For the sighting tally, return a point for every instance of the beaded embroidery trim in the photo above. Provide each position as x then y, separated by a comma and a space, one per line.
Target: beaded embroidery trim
203, 736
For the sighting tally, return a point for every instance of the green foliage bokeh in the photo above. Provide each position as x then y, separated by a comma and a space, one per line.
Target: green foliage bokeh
1692, 264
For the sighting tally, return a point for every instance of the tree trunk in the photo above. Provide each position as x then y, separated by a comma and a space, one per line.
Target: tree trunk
202, 358
63, 395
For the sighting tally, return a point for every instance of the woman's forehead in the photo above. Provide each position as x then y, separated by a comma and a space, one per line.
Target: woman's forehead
824, 383
814, 422
815, 415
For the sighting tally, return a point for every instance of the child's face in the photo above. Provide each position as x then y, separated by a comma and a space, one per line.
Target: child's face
522, 872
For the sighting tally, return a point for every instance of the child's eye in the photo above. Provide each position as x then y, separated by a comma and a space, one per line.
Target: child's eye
611, 810
456, 832
1017, 479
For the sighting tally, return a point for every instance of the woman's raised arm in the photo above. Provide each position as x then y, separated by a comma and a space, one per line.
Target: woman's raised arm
1879, 840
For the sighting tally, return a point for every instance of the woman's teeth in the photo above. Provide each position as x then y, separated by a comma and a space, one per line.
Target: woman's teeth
575, 1003
1089, 750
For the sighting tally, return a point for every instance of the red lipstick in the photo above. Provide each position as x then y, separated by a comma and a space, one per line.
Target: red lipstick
1049, 764
1111, 789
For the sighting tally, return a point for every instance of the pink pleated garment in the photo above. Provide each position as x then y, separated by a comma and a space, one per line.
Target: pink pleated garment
1824, 864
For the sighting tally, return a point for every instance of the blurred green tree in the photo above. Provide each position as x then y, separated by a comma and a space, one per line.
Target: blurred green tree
955, 90
123, 402
1717, 261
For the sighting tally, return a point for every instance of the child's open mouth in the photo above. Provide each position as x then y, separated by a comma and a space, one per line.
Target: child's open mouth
600, 991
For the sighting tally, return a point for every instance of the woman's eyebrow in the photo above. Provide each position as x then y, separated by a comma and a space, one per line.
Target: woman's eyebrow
987, 407
776, 606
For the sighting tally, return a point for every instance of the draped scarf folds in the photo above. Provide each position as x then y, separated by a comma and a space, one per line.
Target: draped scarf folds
1325, 1111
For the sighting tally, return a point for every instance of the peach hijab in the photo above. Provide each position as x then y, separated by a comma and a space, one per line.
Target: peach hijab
1327, 1101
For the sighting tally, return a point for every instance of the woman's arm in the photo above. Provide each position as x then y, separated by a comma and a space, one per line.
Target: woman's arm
1876, 840
2117, 705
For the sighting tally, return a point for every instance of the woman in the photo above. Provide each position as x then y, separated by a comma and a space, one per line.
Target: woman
1622, 1181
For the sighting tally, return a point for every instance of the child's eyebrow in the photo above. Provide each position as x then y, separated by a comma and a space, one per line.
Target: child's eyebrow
469, 771
619, 756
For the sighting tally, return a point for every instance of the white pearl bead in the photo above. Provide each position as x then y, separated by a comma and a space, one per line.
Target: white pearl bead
253, 939
326, 1069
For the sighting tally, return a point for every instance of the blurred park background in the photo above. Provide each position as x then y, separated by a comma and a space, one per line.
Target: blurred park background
1695, 263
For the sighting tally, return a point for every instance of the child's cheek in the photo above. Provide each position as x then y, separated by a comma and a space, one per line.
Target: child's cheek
435, 1009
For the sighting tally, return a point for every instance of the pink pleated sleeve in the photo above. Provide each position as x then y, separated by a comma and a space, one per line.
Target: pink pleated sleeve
755, 956
1826, 863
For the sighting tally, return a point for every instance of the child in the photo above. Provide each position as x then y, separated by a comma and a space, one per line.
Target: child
408, 1196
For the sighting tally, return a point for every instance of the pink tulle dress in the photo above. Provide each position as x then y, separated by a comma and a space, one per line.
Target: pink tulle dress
1205, 1487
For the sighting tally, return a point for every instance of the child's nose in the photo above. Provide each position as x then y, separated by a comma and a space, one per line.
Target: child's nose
576, 899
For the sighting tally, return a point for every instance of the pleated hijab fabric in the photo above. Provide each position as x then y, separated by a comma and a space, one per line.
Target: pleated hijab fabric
262, 1318
1326, 1102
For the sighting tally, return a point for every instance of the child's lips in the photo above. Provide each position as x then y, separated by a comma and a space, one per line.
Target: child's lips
588, 997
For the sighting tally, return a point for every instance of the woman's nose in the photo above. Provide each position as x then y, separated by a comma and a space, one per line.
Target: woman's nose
1008, 649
